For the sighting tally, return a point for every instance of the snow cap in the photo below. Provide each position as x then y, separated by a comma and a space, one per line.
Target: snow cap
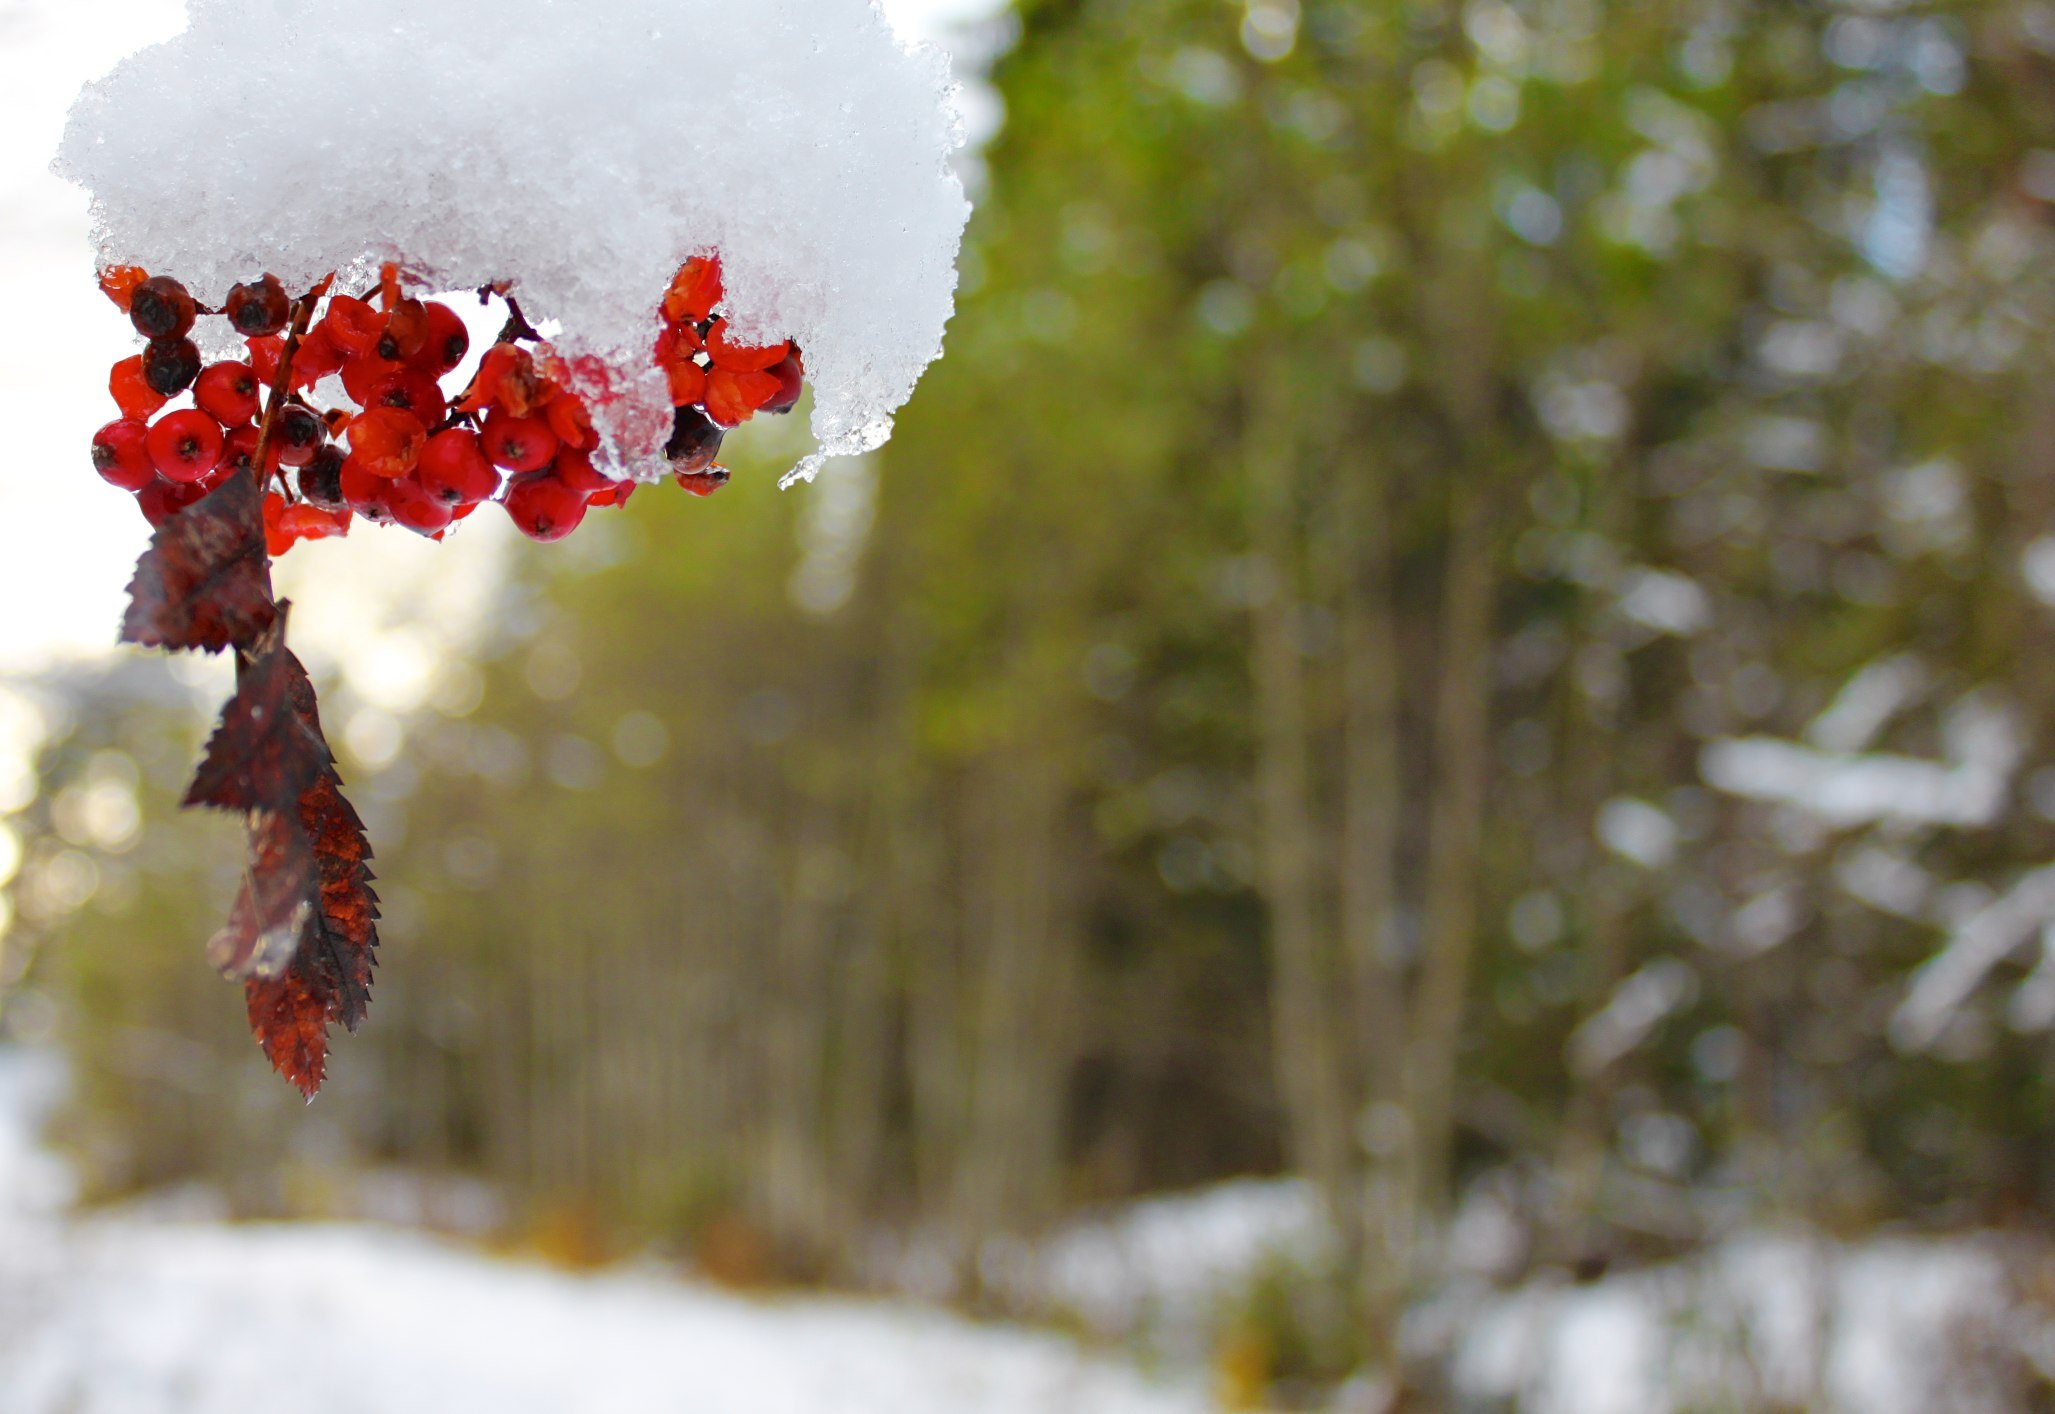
580, 149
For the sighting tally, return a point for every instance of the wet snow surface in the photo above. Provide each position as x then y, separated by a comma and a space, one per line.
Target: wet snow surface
133, 1316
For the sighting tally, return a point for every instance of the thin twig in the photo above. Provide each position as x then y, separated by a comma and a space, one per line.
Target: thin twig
281, 381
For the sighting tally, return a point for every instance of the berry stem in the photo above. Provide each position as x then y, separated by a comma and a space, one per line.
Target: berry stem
281, 381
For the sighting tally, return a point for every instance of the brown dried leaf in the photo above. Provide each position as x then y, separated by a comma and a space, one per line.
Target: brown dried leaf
205, 581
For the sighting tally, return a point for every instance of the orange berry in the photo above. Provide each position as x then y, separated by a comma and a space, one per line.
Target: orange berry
688, 383
118, 283
742, 358
387, 441
568, 418
732, 398
695, 291
132, 392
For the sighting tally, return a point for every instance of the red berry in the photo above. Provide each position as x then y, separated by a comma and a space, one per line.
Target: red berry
688, 383
298, 435
309, 522
741, 358
518, 443
695, 291
132, 394
363, 373
239, 450
732, 398
446, 343
369, 495
568, 418
454, 468
171, 365
417, 508
316, 358
260, 308
228, 393
118, 283
121, 456
185, 446
161, 499
321, 480
791, 376
615, 495
543, 507
704, 483
575, 470
695, 441
160, 308
406, 331
416, 392
387, 441
353, 326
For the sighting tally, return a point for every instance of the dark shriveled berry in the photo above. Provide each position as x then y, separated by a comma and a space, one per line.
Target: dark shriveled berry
321, 479
160, 308
299, 434
695, 440
259, 309
171, 365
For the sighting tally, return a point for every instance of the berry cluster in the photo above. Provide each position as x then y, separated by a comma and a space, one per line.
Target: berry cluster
398, 449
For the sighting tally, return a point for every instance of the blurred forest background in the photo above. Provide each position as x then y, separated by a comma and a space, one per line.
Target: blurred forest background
1467, 611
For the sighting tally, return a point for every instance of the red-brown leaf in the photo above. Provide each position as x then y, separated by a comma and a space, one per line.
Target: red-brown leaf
204, 582
290, 1018
268, 748
268, 924
341, 943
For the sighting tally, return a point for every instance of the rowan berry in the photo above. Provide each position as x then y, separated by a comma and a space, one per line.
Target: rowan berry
361, 373
732, 398
416, 392
118, 283
568, 418
615, 495
695, 291
447, 342
317, 357
239, 452
575, 470
387, 441
298, 435
406, 331
370, 496
703, 483
791, 376
160, 308
688, 383
416, 507
171, 365
259, 308
454, 468
303, 521
321, 479
121, 454
162, 499
741, 358
353, 325
185, 446
544, 508
131, 391
518, 443
265, 354
695, 440
228, 393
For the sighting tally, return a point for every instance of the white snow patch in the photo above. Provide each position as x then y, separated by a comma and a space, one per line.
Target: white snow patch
583, 151
133, 1315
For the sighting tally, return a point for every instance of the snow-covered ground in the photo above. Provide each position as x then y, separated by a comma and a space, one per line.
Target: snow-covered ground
132, 1315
